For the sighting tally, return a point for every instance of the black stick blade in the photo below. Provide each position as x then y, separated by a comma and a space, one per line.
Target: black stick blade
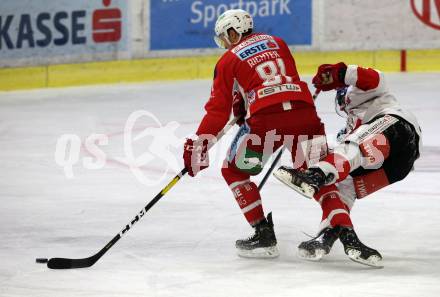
59, 263
41, 260
63, 263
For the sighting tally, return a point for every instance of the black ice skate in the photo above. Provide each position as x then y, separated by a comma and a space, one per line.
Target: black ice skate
306, 182
316, 248
263, 244
357, 251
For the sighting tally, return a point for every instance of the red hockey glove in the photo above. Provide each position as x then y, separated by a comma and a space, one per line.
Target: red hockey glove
238, 107
330, 76
195, 155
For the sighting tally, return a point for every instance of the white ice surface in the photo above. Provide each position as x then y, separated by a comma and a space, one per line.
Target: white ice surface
184, 246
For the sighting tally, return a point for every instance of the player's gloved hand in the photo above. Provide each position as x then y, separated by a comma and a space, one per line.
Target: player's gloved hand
195, 155
238, 108
330, 76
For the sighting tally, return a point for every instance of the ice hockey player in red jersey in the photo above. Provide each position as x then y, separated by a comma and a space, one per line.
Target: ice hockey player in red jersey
378, 147
257, 80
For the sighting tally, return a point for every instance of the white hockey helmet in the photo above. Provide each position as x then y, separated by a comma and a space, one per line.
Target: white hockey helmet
237, 19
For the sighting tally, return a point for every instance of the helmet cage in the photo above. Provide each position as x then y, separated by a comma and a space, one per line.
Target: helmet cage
340, 101
222, 40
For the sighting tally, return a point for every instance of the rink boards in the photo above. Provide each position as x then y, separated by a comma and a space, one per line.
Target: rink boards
69, 43
199, 67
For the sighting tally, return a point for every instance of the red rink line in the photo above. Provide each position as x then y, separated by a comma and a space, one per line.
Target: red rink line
403, 60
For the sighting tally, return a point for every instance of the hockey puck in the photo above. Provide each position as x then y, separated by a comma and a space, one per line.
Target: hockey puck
42, 260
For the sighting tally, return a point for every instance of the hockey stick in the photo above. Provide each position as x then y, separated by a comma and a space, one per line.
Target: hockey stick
66, 263
278, 157
317, 91
274, 163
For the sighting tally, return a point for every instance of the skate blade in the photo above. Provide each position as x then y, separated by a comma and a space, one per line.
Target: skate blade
260, 253
372, 261
285, 177
307, 255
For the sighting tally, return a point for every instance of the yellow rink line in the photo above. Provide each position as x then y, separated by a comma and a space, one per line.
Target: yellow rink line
201, 67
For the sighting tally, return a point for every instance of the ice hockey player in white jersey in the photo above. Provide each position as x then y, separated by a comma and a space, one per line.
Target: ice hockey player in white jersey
378, 147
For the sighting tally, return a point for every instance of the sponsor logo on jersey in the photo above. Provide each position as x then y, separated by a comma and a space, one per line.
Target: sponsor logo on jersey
367, 131
256, 48
251, 97
278, 89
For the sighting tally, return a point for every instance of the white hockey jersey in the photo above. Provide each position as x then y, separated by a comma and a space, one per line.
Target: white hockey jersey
368, 97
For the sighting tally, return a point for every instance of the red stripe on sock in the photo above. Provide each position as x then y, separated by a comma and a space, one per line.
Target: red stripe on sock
331, 201
247, 194
255, 215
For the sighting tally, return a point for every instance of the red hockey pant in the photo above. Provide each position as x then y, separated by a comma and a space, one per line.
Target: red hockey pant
256, 141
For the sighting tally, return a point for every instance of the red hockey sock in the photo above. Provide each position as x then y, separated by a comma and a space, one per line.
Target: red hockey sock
248, 198
245, 192
334, 211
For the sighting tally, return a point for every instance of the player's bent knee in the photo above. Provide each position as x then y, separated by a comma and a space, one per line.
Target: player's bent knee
232, 174
351, 152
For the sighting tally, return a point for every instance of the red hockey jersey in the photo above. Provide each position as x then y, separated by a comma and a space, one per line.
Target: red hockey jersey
262, 68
